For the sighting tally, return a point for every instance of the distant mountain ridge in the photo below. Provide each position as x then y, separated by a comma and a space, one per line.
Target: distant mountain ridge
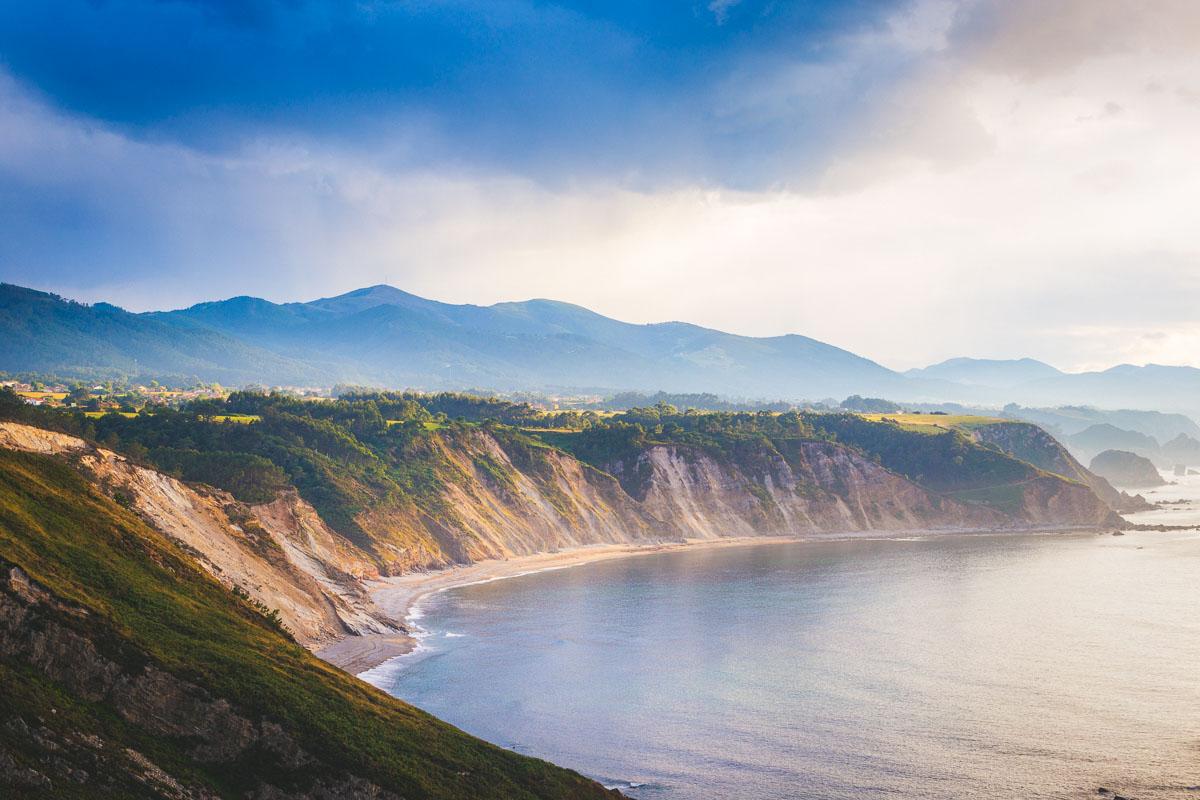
383, 336
1035, 383
987, 371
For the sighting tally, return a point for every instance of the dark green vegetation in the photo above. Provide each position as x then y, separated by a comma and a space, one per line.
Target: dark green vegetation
870, 405
392, 450
107, 630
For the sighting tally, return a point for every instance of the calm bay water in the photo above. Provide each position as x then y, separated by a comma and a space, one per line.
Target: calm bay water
1031, 666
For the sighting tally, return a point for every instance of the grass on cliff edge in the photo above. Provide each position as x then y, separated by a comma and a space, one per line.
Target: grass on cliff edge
934, 423
150, 603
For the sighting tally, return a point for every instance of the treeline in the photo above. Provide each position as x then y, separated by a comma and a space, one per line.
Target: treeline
462, 407
705, 401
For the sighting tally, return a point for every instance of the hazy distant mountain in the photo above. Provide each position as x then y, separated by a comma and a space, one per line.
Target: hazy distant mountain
1183, 449
1122, 386
995, 373
1033, 383
1098, 438
1065, 421
384, 336
41, 332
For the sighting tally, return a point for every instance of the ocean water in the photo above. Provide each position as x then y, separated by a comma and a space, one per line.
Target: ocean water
987, 666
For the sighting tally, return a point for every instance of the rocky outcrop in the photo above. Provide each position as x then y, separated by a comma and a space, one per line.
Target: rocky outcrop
1127, 469
281, 554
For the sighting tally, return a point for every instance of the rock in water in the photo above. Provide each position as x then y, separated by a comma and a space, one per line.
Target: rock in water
1123, 468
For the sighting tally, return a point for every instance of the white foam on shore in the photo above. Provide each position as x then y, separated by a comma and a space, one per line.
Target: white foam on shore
382, 675
622, 785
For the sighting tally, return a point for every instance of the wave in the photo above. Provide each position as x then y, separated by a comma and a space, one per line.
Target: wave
622, 784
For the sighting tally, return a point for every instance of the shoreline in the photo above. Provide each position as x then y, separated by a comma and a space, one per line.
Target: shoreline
400, 596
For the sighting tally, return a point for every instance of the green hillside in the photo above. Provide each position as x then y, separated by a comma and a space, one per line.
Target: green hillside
129, 673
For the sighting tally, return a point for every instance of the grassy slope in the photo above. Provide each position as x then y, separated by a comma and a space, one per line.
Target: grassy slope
148, 600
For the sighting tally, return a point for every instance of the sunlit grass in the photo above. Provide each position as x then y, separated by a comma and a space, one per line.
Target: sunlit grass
932, 423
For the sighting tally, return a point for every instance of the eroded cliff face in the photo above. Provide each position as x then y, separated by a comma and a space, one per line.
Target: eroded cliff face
502, 498
820, 487
501, 503
281, 554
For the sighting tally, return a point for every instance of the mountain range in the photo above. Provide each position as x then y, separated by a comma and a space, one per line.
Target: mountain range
383, 336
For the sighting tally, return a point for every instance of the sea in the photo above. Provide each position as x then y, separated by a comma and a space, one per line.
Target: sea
1032, 665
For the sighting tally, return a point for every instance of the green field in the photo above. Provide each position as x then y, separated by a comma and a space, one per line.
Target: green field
932, 423
43, 395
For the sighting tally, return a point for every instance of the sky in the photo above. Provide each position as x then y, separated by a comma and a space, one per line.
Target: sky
909, 180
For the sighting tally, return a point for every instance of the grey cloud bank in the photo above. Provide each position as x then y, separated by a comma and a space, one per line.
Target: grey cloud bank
947, 179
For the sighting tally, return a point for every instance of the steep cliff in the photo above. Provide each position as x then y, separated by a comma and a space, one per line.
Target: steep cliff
280, 553
501, 496
491, 492
129, 672
811, 487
